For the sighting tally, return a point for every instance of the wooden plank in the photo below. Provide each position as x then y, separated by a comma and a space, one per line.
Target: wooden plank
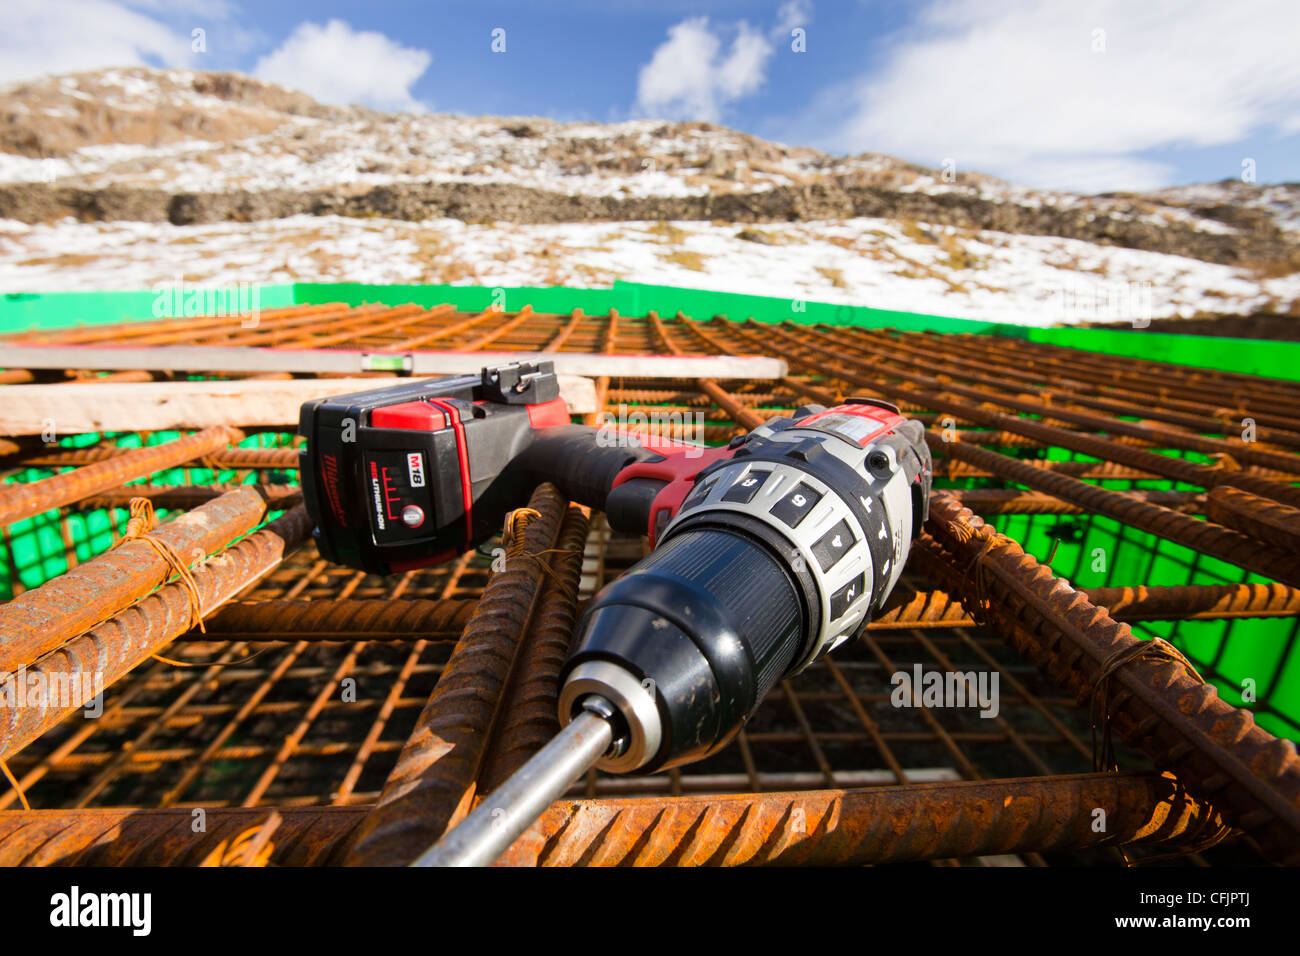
203, 358
70, 409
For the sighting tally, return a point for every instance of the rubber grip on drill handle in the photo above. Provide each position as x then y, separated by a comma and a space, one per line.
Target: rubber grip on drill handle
581, 461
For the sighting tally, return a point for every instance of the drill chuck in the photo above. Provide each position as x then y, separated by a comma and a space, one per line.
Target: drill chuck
687, 645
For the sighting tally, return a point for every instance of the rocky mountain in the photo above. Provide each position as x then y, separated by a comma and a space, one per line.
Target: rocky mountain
189, 147
198, 150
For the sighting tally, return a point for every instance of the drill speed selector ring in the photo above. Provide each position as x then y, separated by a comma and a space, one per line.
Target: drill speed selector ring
842, 514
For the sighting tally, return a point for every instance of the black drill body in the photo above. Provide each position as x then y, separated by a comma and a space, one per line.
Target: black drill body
767, 552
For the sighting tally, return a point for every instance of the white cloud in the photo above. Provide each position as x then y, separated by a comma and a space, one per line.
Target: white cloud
1085, 173
688, 78
793, 13
38, 37
337, 64
209, 9
1015, 88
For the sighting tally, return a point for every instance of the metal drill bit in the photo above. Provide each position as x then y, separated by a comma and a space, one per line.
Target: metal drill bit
513, 807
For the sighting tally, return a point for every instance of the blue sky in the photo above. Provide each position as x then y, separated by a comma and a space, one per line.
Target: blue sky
1074, 94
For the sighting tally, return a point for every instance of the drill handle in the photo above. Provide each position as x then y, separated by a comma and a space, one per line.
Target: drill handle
581, 461
619, 473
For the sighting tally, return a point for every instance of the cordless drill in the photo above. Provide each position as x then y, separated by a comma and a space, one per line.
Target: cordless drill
767, 553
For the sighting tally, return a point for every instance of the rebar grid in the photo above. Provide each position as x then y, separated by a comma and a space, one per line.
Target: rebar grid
274, 713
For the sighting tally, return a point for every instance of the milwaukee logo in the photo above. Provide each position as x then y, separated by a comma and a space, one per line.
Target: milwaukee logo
329, 468
379, 496
415, 469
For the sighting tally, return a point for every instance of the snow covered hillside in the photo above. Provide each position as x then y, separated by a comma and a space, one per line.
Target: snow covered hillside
127, 178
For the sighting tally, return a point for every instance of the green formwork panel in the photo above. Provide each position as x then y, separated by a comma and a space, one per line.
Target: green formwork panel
1238, 657
464, 297
1272, 359
21, 311
33, 549
635, 299
1243, 658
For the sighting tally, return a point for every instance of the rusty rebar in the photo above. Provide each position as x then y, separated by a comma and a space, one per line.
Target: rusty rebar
1258, 517
141, 331
1013, 501
1160, 380
1217, 750
41, 619
433, 783
1091, 470
184, 497
530, 717
1063, 392
349, 619
739, 413
64, 680
1044, 370
906, 609
304, 836
25, 500
1167, 602
556, 342
1178, 602
1202, 536
935, 394
813, 828
1230, 389
255, 458
872, 825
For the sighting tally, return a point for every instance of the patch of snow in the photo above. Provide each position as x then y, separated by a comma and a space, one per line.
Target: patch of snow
877, 263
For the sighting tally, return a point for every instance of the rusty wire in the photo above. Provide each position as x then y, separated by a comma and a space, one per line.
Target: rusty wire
45, 617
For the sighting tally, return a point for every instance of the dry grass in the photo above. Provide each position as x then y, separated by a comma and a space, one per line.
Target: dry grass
958, 257
686, 259
452, 271
670, 233
63, 259
914, 232
594, 276
834, 276
1272, 268
913, 269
